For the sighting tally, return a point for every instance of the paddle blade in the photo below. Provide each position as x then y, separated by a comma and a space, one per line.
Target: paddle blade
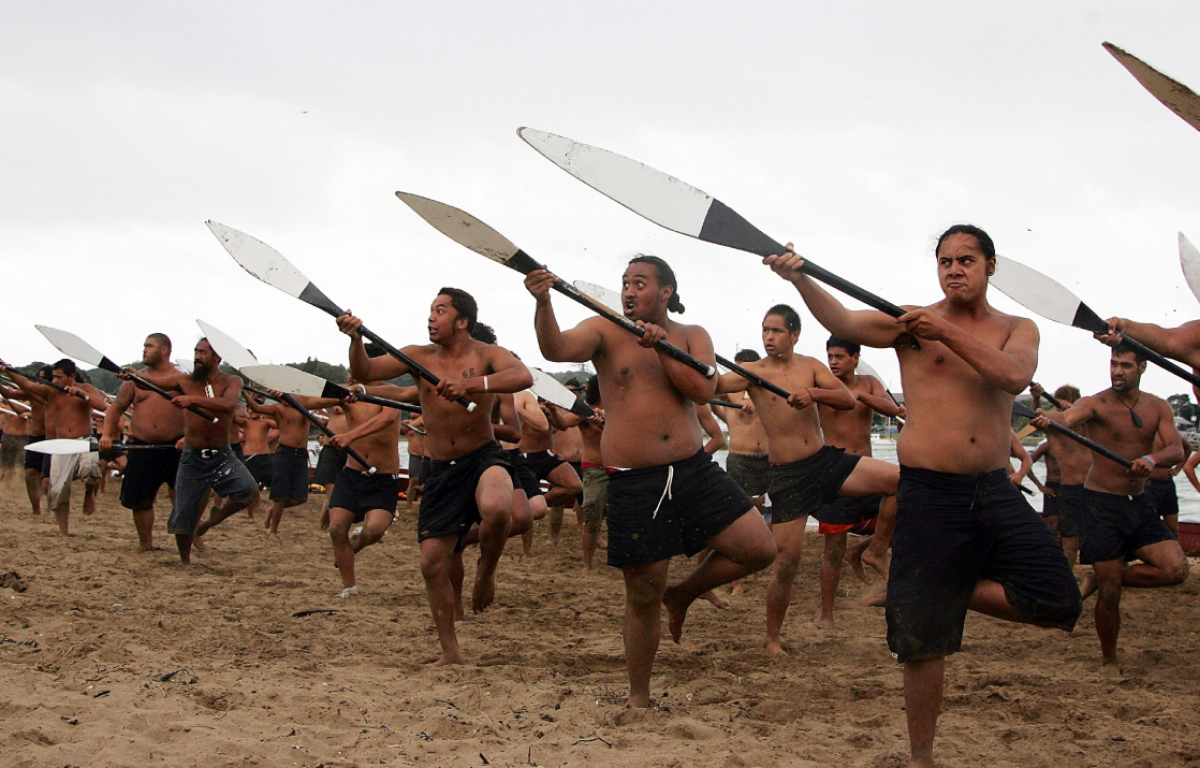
610, 299
652, 194
1173, 94
469, 232
73, 346
268, 265
1050, 299
62, 447
287, 379
1189, 259
550, 389
865, 369
232, 353
185, 364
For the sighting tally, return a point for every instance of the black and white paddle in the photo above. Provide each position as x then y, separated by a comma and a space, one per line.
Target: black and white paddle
268, 265
676, 205
73, 346
550, 389
287, 379
1022, 410
1054, 301
62, 447
1189, 259
239, 357
609, 298
470, 232
40, 380
1173, 94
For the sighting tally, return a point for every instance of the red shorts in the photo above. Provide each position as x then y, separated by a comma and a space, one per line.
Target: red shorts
831, 528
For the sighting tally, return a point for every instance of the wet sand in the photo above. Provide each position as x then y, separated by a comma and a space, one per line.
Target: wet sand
114, 658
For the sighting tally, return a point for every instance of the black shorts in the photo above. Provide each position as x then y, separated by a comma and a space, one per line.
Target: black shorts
848, 510
655, 513
1070, 509
359, 493
1113, 527
238, 451
1050, 503
523, 476
45, 466
800, 488
329, 462
145, 472
260, 468
33, 459
289, 474
1163, 497
751, 471
448, 505
543, 463
953, 530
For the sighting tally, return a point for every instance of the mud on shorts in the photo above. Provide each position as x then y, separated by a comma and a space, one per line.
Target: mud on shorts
523, 476
448, 506
595, 497
199, 470
751, 471
359, 492
1114, 526
655, 513
329, 462
66, 468
145, 472
844, 512
289, 474
33, 459
953, 530
800, 488
1050, 503
11, 447
1070, 509
1163, 497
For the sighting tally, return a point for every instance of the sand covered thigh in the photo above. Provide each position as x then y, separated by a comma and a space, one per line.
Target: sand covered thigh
118, 659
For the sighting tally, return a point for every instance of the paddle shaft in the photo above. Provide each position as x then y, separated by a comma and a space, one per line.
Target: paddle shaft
140, 382
363, 397
1021, 410
47, 382
754, 378
1139, 348
725, 404
291, 400
1054, 401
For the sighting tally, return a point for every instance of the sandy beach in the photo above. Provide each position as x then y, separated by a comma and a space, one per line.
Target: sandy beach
114, 658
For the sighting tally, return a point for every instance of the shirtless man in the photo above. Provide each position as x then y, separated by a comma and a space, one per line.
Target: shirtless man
73, 418
154, 421
416, 459
666, 496
289, 463
567, 444
533, 426
851, 430
207, 460
965, 537
13, 440
359, 496
1118, 520
331, 460
805, 472
554, 469
595, 474
1160, 487
748, 463
37, 433
469, 479
1074, 462
257, 444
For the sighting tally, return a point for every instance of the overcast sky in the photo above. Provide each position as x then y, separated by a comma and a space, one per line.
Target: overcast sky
859, 130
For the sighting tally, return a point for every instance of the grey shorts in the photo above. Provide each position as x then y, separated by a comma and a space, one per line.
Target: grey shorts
595, 497
199, 470
12, 448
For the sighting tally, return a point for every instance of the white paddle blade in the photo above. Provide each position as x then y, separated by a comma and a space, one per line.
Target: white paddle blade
71, 345
185, 364
62, 447
1035, 291
285, 379
1173, 94
1189, 259
548, 388
650, 193
232, 353
260, 260
865, 369
609, 298
461, 227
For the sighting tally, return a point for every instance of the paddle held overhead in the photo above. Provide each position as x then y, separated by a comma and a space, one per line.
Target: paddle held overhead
1021, 410
287, 379
1173, 94
268, 265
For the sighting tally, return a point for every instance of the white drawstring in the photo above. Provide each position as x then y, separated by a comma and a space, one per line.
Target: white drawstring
666, 494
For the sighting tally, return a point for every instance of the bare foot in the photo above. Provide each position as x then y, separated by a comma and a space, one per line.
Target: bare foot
273, 535
737, 590
775, 648
266, 521
880, 565
677, 609
714, 598
1111, 670
198, 545
855, 561
1087, 585
348, 593
874, 596
447, 660
483, 594
826, 622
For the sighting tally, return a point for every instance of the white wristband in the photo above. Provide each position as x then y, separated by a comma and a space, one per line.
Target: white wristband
485, 389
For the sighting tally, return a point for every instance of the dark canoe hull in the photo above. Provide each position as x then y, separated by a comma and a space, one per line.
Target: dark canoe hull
1189, 538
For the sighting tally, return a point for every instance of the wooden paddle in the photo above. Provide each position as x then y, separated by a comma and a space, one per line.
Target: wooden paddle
238, 356
470, 232
1054, 301
1173, 94
268, 265
73, 346
675, 205
1028, 413
287, 379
